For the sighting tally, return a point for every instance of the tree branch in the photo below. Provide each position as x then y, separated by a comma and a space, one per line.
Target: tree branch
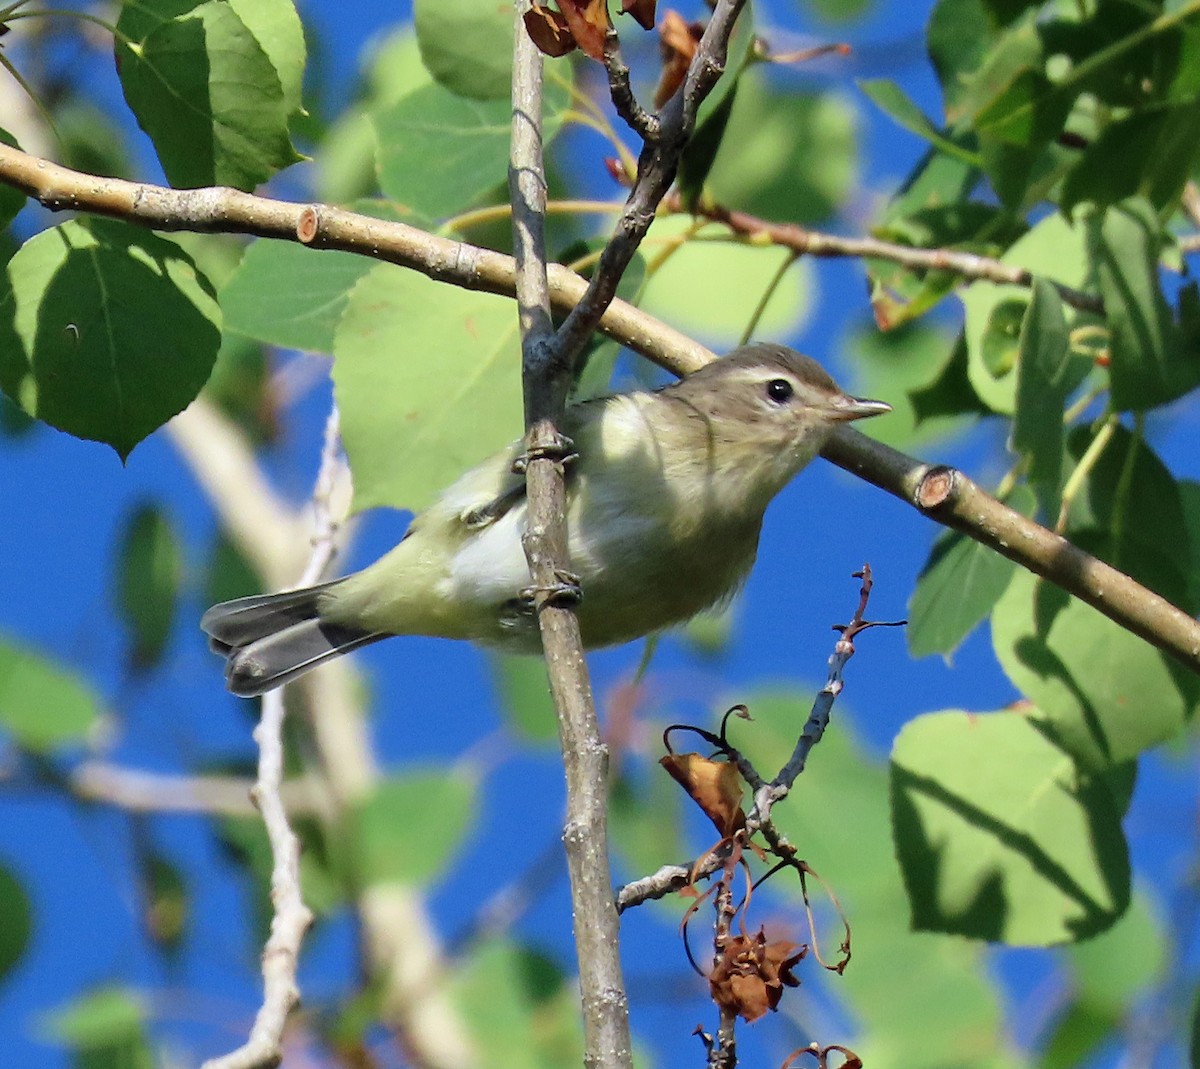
546, 379
805, 242
230, 211
657, 167
291, 918
949, 497
220, 210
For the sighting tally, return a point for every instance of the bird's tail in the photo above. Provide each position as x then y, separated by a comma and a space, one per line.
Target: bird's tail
270, 639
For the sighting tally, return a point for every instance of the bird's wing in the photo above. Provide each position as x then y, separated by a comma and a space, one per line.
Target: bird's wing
489, 491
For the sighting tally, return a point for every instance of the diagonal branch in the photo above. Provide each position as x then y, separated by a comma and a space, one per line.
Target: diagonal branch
468, 266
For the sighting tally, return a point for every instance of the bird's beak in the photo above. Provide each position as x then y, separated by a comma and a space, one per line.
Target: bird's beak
844, 408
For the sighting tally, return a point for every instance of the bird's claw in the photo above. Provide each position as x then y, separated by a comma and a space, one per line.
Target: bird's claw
564, 592
559, 449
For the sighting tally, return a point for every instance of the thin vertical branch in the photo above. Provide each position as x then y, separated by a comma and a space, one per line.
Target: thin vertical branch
546, 379
291, 919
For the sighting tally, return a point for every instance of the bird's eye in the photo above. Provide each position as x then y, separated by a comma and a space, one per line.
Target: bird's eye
779, 390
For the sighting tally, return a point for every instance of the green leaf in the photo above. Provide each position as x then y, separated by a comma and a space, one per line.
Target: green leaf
467, 45
12, 200
17, 928
959, 36
804, 147
207, 91
440, 153
106, 330
518, 1007
276, 26
690, 287
108, 1025
1042, 384
42, 706
148, 574
957, 588
894, 102
712, 120
1151, 153
1054, 249
525, 700
167, 905
290, 296
917, 998
1129, 512
428, 381
347, 165
1149, 366
897, 365
999, 834
411, 825
1103, 694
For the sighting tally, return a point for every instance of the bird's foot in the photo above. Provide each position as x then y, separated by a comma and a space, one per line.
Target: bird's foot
564, 592
558, 448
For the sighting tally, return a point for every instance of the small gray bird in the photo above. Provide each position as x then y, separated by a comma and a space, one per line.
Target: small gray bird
665, 502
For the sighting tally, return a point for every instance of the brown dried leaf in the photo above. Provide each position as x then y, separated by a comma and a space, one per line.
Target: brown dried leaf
751, 974
677, 41
589, 23
641, 10
714, 786
549, 31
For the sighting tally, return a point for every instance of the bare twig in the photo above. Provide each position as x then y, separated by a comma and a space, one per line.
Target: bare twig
546, 379
644, 123
805, 242
768, 794
291, 919
401, 947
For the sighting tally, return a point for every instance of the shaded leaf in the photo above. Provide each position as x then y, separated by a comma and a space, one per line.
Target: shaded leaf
106, 330
467, 45
1149, 367
11, 200
17, 911
148, 574
1042, 385
1102, 694
1000, 836
894, 102
206, 91
957, 588
713, 116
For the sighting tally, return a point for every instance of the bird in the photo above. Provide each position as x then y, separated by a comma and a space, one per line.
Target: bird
665, 502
